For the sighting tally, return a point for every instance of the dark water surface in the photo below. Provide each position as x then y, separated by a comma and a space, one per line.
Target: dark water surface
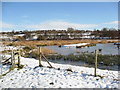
108, 49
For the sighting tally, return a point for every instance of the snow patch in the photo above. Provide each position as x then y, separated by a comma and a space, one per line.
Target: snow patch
43, 77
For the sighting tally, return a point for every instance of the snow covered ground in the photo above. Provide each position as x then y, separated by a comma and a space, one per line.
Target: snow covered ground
2, 48
43, 77
74, 45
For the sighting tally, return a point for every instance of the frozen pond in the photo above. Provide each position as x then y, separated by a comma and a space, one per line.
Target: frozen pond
108, 49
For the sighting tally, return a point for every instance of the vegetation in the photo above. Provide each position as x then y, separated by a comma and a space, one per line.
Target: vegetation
56, 42
5, 51
69, 34
10, 44
107, 60
106, 32
31, 52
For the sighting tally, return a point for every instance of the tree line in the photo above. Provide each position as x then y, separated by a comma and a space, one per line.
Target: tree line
110, 33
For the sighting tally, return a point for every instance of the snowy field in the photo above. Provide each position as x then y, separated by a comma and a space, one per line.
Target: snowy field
43, 77
2, 47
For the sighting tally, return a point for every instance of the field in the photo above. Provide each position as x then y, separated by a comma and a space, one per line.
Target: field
55, 42
63, 75
60, 76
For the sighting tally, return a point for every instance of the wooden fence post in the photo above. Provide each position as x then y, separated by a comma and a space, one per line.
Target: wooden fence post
1, 67
96, 54
40, 57
12, 57
19, 58
46, 60
12, 60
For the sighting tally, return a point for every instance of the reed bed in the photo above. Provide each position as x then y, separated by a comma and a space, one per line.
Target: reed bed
107, 60
55, 42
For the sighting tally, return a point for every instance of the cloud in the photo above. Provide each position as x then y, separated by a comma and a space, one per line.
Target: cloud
113, 22
57, 24
6, 25
60, 25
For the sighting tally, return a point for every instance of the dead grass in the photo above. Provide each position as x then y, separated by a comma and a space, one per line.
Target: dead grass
55, 42
45, 51
34, 53
5, 51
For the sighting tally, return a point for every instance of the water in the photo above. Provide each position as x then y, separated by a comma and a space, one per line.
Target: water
107, 49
